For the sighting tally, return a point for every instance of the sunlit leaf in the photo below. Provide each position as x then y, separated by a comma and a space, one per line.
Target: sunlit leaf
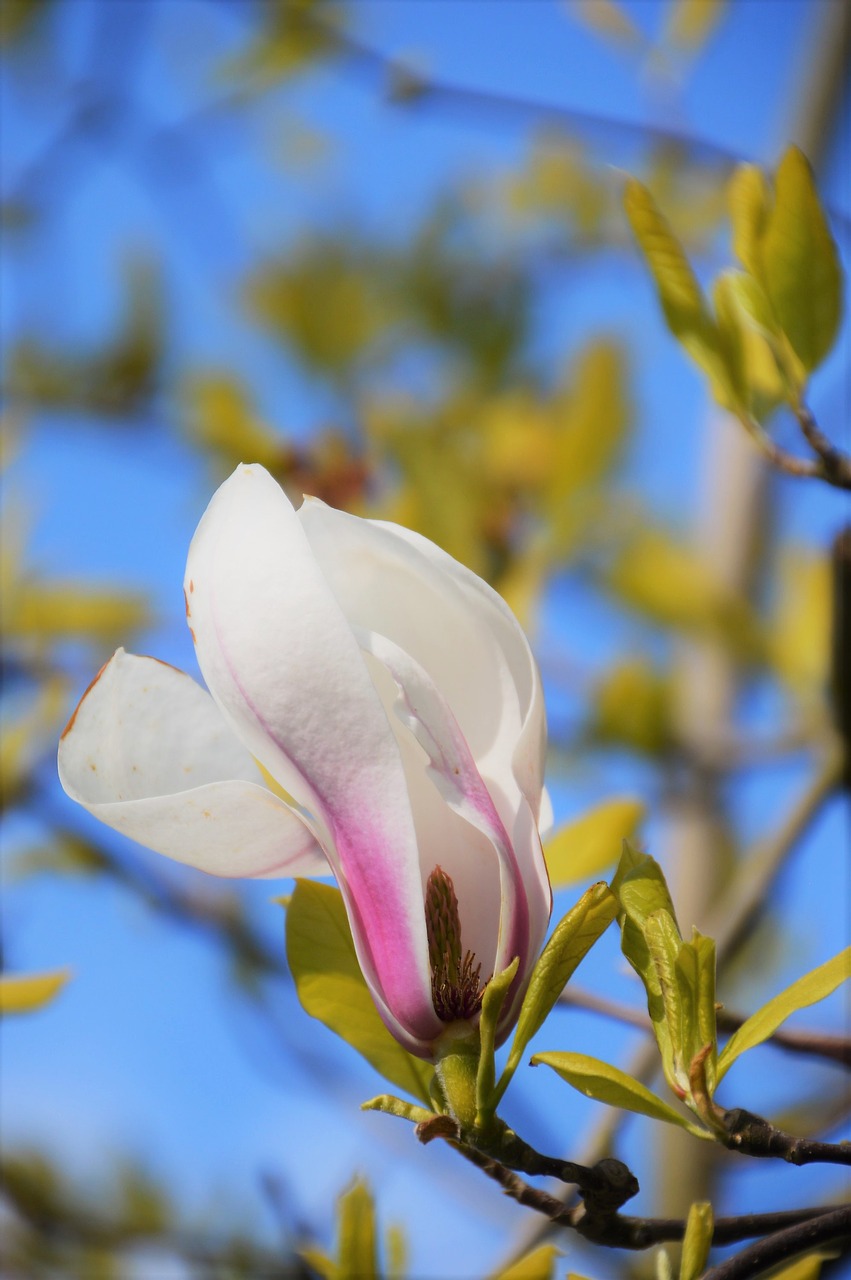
492, 1002
591, 416
697, 1240
749, 201
23, 993
752, 341
17, 17
674, 585
396, 1250
605, 1083
571, 940
592, 842
640, 887
221, 417
537, 1265
608, 19
356, 1234
690, 23
58, 611
799, 633
801, 268
812, 987
680, 295
331, 987
27, 734
294, 35
632, 705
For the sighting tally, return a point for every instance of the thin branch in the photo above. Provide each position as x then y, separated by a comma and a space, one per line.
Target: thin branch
754, 1136
829, 1228
747, 894
813, 1043
832, 467
618, 1232
836, 464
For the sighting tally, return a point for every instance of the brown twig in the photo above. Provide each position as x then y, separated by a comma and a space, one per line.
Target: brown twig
615, 1231
837, 465
825, 1229
751, 1135
816, 1044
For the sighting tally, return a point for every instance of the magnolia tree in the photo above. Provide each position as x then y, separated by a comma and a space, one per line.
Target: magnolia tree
373, 729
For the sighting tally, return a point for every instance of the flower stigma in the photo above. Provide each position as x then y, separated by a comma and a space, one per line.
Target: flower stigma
456, 985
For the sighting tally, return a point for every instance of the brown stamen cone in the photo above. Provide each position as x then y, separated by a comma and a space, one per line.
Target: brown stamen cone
456, 985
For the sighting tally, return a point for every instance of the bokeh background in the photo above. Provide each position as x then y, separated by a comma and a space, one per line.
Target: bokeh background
379, 247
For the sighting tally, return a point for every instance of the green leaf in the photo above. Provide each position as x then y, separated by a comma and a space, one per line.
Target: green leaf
749, 201
802, 275
697, 1240
680, 295
396, 1249
319, 1262
697, 958
572, 939
641, 889
605, 1083
397, 1107
492, 1002
669, 1011
537, 1265
356, 1234
756, 348
331, 987
812, 987
591, 842
23, 993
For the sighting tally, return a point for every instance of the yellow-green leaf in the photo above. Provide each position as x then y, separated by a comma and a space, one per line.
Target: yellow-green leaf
572, 939
749, 202
22, 993
356, 1234
320, 1262
610, 20
680, 295
697, 1240
802, 275
605, 1083
537, 1265
396, 1250
331, 987
690, 23
588, 844
812, 987
799, 633
492, 1002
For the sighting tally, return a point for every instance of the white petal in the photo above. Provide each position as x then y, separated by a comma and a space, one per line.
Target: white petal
148, 753
491, 896
281, 661
392, 581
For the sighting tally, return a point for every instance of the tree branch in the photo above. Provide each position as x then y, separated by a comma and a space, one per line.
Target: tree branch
812, 1043
612, 1230
753, 1136
825, 1229
837, 465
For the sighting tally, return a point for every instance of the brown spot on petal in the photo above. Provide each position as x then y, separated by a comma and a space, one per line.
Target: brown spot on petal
191, 586
192, 633
186, 604
70, 725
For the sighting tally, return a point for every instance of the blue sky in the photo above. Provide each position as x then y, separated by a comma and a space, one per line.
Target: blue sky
148, 1050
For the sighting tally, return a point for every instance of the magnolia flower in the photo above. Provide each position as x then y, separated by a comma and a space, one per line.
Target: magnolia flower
374, 708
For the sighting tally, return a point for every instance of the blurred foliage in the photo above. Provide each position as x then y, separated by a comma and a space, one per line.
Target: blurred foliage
443, 406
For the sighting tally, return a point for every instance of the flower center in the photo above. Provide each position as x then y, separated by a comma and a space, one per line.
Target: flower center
456, 985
